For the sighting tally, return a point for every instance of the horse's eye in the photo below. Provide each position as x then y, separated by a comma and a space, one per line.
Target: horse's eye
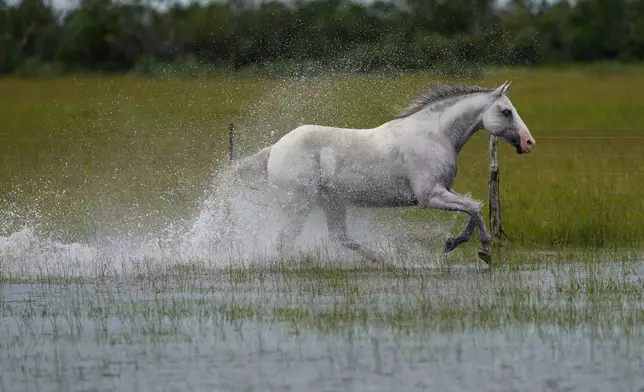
507, 112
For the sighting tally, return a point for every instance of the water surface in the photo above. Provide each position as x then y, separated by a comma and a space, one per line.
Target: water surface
553, 326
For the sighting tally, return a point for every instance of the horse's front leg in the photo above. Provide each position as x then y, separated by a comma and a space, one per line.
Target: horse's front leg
443, 199
453, 242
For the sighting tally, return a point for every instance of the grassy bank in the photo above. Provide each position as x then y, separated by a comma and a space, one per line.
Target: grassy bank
88, 156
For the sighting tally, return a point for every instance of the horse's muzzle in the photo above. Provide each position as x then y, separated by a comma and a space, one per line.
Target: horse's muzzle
527, 142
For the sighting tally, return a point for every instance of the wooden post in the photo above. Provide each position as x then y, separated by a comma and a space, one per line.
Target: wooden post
494, 192
231, 140
231, 134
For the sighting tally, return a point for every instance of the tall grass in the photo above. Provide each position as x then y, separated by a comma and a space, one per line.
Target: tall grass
86, 156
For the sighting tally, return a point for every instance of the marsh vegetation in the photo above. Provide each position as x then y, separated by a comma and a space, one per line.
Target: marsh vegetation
537, 321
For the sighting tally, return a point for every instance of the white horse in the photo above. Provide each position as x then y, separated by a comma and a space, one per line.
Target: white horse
408, 161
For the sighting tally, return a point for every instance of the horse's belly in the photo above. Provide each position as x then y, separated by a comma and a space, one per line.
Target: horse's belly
389, 192
363, 176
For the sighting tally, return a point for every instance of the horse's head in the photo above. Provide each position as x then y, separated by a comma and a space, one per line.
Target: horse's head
502, 119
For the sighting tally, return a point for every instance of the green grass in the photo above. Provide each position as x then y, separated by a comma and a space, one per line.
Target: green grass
89, 156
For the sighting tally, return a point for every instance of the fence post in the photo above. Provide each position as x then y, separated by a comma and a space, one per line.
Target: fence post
225, 202
231, 134
494, 195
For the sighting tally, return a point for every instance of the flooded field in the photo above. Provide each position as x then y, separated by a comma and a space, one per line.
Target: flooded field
110, 205
533, 322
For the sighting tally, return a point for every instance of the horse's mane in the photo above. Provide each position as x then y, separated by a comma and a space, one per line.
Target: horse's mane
439, 92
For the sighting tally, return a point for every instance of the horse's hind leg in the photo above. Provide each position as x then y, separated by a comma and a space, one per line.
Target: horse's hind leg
296, 209
336, 217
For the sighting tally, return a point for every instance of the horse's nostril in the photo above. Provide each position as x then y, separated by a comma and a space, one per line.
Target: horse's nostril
529, 142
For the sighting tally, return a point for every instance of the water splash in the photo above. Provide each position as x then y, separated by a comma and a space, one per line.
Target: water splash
238, 223
245, 235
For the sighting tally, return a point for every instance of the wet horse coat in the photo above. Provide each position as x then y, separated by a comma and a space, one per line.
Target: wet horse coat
408, 161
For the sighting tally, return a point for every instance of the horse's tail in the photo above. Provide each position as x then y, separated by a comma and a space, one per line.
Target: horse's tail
256, 164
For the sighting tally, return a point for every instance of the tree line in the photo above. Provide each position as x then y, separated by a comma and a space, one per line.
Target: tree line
111, 36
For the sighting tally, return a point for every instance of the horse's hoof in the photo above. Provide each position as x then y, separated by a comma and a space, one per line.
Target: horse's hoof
485, 256
450, 245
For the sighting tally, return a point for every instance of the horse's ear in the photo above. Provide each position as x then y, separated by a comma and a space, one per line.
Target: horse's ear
503, 89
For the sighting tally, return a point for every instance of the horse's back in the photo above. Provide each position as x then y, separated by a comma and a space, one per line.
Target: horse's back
356, 165
299, 155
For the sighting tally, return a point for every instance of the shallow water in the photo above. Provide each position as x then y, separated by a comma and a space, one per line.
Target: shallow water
528, 327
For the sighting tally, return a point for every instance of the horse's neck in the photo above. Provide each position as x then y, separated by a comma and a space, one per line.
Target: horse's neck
458, 122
